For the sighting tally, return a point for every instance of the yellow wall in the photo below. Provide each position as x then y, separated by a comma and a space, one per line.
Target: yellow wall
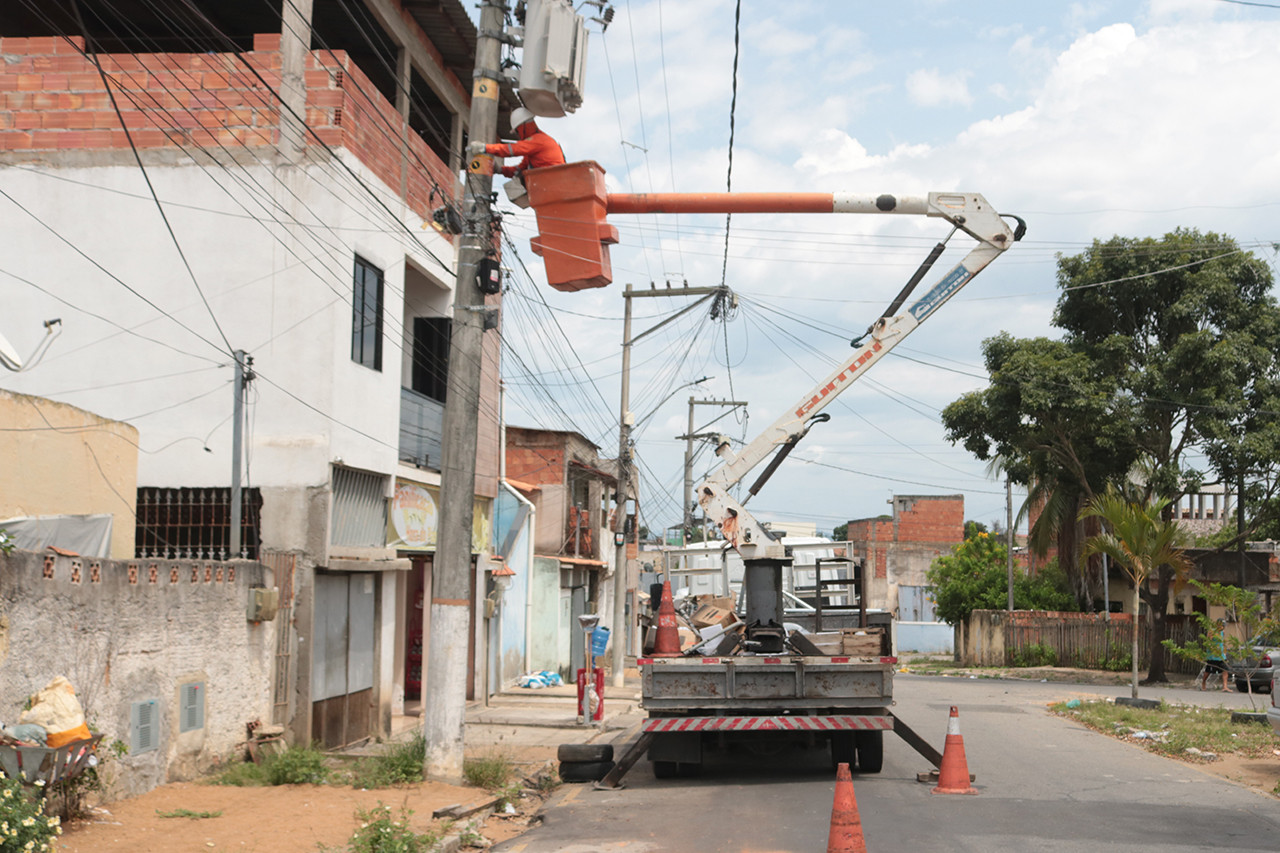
60, 460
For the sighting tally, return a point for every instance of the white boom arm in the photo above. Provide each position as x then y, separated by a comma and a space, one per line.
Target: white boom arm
970, 213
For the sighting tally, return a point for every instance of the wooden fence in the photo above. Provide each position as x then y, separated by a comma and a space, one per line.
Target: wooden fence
1086, 640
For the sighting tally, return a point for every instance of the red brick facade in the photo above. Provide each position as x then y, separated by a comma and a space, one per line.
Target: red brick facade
53, 99
920, 525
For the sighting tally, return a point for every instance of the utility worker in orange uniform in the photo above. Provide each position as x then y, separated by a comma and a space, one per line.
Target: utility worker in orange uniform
536, 149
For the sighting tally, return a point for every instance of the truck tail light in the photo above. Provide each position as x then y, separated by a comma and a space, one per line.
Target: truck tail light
1266, 662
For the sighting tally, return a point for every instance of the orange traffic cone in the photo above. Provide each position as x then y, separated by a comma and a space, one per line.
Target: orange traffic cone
666, 642
953, 776
846, 824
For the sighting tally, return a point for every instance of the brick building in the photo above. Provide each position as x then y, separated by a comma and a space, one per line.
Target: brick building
562, 474
260, 177
898, 549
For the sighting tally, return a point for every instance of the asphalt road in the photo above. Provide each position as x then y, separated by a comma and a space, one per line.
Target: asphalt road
1045, 783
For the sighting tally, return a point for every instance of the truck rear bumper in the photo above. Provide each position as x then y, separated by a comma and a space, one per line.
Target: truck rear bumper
779, 723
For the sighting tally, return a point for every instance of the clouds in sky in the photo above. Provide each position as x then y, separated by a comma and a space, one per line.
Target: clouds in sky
928, 87
1088, 119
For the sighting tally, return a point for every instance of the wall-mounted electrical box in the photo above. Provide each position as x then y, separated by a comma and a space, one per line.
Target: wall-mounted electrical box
554, 64
263, 603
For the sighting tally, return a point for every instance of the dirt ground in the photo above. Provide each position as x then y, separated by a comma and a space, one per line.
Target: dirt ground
284, 819
1261, 774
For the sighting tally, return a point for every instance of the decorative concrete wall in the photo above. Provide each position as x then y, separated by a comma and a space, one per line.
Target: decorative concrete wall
137, 631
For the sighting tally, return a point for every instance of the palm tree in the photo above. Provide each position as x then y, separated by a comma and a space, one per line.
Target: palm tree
1140, 541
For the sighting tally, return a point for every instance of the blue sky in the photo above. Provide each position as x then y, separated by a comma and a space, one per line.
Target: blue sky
1088, 119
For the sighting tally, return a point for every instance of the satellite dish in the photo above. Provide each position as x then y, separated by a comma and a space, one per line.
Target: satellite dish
8, 355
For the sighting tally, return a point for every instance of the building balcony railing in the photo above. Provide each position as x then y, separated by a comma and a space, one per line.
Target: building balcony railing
421, 427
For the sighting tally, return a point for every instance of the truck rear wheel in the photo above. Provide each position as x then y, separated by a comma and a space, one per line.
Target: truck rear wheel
870, 751
843, 750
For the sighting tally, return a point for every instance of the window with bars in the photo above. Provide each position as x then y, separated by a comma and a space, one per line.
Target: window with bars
195, 524
366, 315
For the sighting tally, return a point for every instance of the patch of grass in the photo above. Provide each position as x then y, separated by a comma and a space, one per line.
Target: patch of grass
243, 774
297, 765
509, 795
400, 764
381, 831
188, 813
926, 665
471, 837
492, 772
1178, 728
1035, 654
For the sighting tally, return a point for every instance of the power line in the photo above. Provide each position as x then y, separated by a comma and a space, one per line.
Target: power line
92, 54
733, 108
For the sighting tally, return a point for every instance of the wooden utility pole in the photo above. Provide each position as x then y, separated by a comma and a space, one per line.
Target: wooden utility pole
445, 685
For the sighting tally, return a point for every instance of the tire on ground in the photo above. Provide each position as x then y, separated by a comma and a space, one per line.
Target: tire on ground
584, 771
870, 751
585, 752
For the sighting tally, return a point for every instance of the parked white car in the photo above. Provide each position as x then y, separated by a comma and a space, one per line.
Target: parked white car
1273, 713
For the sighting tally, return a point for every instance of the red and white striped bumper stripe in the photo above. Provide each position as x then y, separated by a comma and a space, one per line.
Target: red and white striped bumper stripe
768, 724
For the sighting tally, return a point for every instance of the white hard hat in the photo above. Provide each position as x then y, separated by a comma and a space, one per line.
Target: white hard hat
519, 116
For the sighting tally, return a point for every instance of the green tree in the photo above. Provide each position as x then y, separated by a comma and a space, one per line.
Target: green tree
1140, 541
974, 576
1055, 422
1257, 627
1169, 352
841, 533
973, 528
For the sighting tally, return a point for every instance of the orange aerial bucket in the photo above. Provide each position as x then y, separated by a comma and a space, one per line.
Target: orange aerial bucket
573, 236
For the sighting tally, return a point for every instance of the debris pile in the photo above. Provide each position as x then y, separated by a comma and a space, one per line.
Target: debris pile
709, 626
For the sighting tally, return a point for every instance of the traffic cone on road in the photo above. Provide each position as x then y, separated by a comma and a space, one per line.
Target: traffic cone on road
953, 775
666, 642
846, 824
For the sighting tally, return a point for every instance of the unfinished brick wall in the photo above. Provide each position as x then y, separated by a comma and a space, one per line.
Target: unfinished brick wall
53, 99
929, 519
536, 465
935, 522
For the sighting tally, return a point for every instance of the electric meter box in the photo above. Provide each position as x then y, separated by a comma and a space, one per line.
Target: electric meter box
555, 58
264, 602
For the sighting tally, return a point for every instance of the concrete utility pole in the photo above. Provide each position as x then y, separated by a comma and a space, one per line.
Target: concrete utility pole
625, 420
687, 520
617, 661
1008, 511
444, 696
243, 376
